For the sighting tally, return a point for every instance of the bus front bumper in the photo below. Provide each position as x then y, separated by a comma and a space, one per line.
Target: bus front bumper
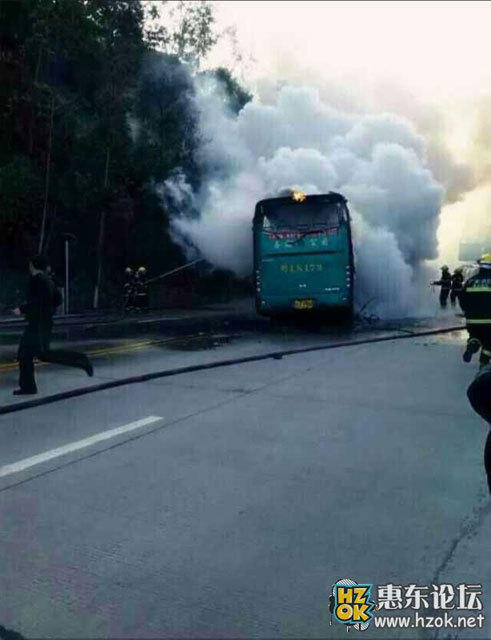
281, 304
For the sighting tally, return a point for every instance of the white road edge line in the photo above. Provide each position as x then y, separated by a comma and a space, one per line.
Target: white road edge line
22, 465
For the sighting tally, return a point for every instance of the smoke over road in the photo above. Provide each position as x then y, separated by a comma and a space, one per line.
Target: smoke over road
377, 161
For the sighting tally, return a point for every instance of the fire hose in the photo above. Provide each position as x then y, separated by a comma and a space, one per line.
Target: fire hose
168, 273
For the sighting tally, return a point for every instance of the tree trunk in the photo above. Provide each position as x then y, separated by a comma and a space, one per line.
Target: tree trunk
48, 171
100, 242
31, 98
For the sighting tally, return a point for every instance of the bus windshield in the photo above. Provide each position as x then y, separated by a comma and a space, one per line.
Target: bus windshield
306, 214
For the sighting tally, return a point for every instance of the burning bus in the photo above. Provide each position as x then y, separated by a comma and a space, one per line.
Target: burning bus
303, 254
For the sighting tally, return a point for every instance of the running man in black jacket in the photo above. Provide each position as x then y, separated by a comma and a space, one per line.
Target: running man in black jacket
38, 310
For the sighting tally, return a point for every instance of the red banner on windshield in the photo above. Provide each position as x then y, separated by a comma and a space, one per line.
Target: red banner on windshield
292, 235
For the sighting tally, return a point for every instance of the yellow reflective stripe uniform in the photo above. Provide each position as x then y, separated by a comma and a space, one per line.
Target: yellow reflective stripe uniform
475, 300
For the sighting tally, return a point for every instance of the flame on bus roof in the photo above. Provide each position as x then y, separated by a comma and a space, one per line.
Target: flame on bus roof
298, 196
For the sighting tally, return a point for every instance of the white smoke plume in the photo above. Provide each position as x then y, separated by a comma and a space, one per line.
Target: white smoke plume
377, 161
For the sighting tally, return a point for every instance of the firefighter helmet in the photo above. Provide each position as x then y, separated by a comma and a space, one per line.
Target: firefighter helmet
485, 261
142, 270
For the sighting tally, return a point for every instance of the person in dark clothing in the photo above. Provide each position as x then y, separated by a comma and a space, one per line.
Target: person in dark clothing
445, 283
456, 287
42, 300
141, 289
475, 300
479, 394
129, 289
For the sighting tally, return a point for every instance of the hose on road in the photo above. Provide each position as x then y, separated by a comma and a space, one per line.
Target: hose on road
277, 355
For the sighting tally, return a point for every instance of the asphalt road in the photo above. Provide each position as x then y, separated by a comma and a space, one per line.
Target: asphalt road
226, 503
151, 348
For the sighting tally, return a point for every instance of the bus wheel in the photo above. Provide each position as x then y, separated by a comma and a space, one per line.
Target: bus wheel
346, 316
276, 321
340, 316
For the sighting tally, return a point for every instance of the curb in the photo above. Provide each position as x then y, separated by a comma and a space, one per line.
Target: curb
276, 355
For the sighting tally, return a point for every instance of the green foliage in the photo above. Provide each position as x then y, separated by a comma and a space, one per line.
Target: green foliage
166, 119
184, 29
237, 97
95, 109
20, 197
194, 36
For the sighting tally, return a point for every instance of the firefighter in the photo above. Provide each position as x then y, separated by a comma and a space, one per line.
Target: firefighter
445, 283
129, 289
475, 300
141, 289
456, 286
479, 394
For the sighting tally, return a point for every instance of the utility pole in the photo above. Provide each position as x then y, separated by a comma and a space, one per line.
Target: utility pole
67, 237
67, 277
100, 242
47, 176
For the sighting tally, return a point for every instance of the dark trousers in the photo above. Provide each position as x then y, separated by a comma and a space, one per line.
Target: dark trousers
454, 296
35, 343
479, 394
141, 301
487, 459
26, 354
444, 293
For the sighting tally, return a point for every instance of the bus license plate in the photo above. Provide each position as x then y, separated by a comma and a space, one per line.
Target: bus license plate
303, 304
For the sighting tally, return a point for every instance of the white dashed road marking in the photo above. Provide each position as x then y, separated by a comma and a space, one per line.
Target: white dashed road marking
22, 465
